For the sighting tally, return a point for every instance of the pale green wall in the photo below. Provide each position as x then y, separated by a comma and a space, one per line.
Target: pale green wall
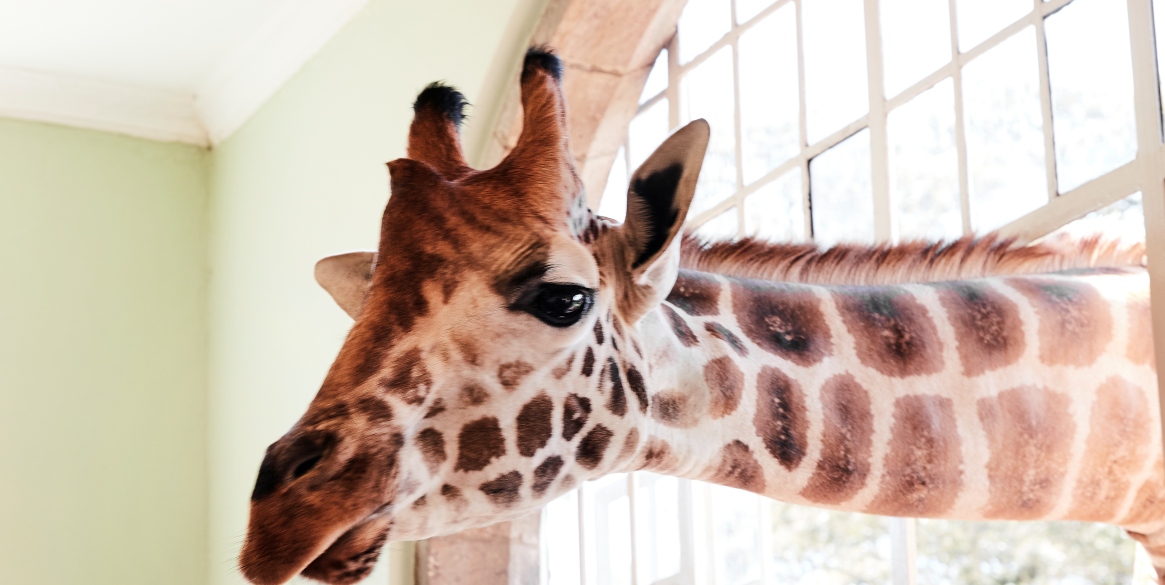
103, 473
303, 179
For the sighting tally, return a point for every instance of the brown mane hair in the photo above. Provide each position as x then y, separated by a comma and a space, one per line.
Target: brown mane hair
914, 261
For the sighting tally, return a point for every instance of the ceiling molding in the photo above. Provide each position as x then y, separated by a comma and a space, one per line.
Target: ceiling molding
241, 83
235, 89
144, 112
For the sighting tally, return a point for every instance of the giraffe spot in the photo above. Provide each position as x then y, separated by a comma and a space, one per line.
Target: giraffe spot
535, 425
467, 347
673, 409
575, 411
738, 468
503, 490
847, 442
1029, 433
635, 346
436, 408
618, 328
375, 409
1075, 323
451, 492
679, 327
478, 443
923, 474
511, 374
658, 456
630, 444
780, 418
696, 294
599, 332
318, 414
722, 333
1140, 350
1149, 503
473, 395
564, 369
1119, 436
617, 402
588, 364
568, 482
988, 329
784, 321
419, 503
410, 379
725, 384
892, 331
545, 473
593, 446
638, 387
432, 445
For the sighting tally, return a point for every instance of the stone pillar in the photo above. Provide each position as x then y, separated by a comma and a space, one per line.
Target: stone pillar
505, 553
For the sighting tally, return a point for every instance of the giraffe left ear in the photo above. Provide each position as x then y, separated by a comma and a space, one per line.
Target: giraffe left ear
347, 277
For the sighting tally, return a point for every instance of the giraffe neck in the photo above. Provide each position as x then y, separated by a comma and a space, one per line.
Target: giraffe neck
1012, 398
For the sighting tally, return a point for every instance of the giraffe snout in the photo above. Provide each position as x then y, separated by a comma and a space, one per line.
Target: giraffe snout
289, 459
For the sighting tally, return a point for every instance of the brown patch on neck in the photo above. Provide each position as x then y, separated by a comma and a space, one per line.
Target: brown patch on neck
561, 371
630, 444
638, 387
723, 333
781, 419
658, 456
617, 401
479, 443
599, 332
725, 386
473, 395
545, 474
575, 411
1075, 323
738, 468
679, 327
432, 446
922, 475
892, 331
410, 379
588, 364
535, 425
988, 329
784, 321
1120, 430
847, 442
1140, 349
696, 294
674, 409
503, 490
1029, 433
593, 446
436, 408
511, 374
1149, 503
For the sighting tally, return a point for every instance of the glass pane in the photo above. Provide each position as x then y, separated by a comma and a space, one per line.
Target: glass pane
1124, 219
835, 65
747, 9
775, 212
812, 546
559, 537
646, 132
769, 102
979, 19
736, 527
608, 544
916, 40
721, 227
702, 23
1092, 89
707, 93
924, 166
1005, 137
657, 526
656, 78
841, 195
1036, 553
614, 201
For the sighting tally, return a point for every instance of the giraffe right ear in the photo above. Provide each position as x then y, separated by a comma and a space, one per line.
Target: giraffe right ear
347, 277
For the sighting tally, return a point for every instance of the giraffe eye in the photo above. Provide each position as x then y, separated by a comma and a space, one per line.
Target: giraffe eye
560, 305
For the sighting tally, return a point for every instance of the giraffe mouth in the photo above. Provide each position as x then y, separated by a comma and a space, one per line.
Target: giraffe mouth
353, 555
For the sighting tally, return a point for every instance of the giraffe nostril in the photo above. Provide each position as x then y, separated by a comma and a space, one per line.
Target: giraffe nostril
305, 466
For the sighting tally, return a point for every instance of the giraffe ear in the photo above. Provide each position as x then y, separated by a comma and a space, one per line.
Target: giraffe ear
347, 277
659, 195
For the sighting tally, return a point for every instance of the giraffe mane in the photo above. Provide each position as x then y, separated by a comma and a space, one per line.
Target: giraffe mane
912, 261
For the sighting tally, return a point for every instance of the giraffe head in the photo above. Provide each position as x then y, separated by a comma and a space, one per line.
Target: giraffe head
493, 363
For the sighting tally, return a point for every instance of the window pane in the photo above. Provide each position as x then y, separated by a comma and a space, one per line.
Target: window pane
657, 525
924, 166
608, 539
747, 9
812, 546
614, 201
646, 132
841, 194
736, 527
979, 19
1037, 553
701, 24
1092, 89
721, 227
1005, 139
707, 93
1124, 219
836, 92
560, 537
775, 212
656, 78
769, 102
916, 40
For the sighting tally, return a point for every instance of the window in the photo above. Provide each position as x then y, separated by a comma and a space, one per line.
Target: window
881, 120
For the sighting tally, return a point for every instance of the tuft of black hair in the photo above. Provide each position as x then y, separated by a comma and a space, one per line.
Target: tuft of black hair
543, 57
444, 99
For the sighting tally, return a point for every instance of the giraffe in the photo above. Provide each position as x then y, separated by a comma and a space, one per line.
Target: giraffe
509, 344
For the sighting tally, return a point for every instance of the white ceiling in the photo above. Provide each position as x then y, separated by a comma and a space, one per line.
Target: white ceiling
188, 70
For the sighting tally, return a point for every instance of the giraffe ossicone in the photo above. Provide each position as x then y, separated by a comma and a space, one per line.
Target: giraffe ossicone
509, 344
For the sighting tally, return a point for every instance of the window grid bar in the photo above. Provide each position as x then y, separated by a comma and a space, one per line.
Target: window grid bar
879, 155
960, 124
736, 197
1046, 104
802, 127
